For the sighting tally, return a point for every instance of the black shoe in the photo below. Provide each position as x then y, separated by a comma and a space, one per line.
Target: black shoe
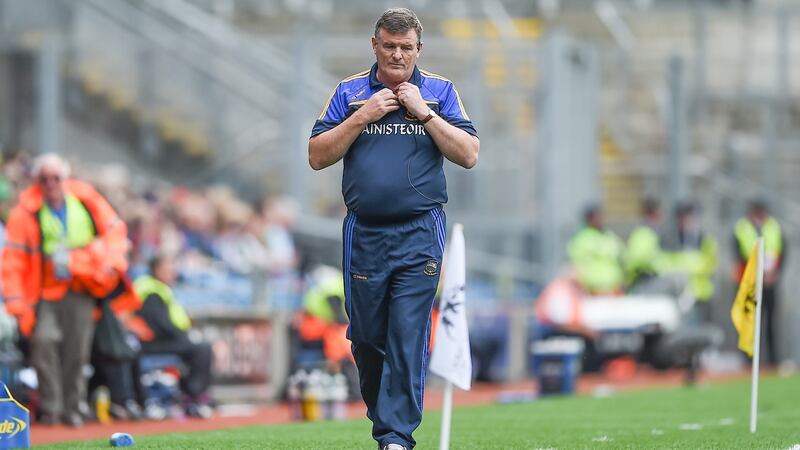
72, 420
199, 410
128, 411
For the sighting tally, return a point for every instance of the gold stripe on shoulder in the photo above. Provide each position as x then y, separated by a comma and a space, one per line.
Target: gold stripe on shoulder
328, 104
433, 75
357, 75
363, 74
461, 105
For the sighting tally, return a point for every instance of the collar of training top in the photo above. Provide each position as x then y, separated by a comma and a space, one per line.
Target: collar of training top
376, 85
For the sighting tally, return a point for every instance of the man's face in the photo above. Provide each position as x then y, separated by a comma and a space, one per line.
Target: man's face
166, 272
52, 184
596, 220
396, 54
759, 216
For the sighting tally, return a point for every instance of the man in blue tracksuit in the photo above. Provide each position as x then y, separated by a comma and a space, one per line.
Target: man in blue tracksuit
392, 125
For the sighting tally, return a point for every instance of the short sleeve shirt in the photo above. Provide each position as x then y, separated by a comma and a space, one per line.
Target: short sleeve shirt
393, 170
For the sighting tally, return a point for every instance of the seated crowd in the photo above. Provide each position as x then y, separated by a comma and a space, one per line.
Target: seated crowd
88, 271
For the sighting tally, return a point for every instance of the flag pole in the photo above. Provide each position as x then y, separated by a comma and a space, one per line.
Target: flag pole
757, 337
447, 408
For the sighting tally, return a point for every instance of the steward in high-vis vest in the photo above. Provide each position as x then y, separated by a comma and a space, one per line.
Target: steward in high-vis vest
596, 255
65, 249
147, 286
323, 321
322, 325
644, 258
170, 324
693, 252
758, 223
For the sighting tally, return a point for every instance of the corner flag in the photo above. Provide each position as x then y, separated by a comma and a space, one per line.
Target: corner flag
451, 357
743, 312
746, 316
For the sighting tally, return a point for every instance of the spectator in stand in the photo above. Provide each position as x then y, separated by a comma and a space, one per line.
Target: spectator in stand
146, 218
596, 255
241, 250
279, 216
198, 219
170, 326
65, 250
16, 169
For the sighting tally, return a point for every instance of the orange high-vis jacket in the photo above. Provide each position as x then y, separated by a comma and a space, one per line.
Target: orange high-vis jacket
97, 269
335, 344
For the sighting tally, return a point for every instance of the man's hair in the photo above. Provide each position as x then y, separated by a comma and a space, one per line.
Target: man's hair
155, 263
591, 210
50, 160
758, 205
399, 21
650, 206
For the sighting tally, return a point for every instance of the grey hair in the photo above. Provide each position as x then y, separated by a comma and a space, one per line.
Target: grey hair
399, 21
50, 160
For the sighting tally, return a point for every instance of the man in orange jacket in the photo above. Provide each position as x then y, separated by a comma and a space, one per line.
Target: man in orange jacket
65, 249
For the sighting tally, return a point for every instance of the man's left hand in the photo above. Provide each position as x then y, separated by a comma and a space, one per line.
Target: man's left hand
409, 96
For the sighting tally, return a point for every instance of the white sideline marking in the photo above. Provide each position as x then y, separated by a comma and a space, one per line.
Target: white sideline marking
726, 421
690, 427
656, 432
603, 391
601, 439
794, 447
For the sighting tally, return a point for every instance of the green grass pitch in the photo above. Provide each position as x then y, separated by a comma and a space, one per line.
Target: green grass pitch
705, 417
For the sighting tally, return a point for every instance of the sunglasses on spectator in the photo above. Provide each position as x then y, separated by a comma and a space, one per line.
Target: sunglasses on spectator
44, 179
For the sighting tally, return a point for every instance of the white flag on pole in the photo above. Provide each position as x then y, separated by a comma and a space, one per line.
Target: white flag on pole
451, 355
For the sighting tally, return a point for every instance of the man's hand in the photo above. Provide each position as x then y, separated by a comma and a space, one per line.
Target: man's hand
380, 104
409, 96
454, 143
326, 148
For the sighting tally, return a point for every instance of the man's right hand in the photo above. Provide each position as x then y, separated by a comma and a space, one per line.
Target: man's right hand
326, 148
380, 104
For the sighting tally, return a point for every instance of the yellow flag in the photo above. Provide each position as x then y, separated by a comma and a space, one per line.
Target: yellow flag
743, 312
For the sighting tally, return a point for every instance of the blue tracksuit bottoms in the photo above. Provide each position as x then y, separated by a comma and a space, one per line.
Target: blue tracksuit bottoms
391, 272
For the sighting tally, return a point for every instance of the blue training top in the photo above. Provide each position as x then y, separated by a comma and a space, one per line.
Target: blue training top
393, 170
